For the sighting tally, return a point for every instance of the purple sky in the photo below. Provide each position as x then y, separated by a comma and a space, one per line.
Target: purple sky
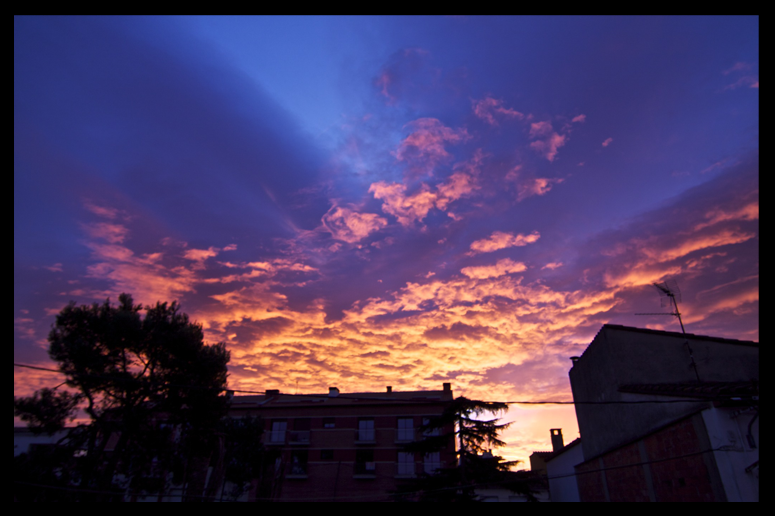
363, 202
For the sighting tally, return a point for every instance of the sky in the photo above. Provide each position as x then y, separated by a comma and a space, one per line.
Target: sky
404, 201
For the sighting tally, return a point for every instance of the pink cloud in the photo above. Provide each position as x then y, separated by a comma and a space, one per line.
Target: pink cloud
607, 142
406, 208
552, 266
383, 82
549, 147
488, 107
409, 209
751, 81
101, 211
424, 148
113, 233
536, 186
748, 212
200, 255
406, 75
349, 226
539, 129
458, 185
738, 67
579, 118
502, 240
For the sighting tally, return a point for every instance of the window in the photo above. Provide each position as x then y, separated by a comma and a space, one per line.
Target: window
277, 435
364, 462
298, 463
432, 462
300, 433
366, 430
405, 429
405, 463
326, 454
329, 422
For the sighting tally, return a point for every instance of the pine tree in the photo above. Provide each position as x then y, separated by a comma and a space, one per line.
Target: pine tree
475, 438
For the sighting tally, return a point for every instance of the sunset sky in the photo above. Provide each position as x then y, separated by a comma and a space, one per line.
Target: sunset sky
363, 202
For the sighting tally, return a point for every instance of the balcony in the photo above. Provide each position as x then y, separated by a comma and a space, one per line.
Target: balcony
298, 437
275, 437
365, 436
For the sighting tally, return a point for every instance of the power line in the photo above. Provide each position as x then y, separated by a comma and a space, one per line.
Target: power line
423, 401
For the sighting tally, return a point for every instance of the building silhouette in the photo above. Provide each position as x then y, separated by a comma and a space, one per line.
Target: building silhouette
667, 416
344, 446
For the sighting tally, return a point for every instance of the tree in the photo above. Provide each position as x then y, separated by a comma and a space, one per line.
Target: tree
150, 386
475, 438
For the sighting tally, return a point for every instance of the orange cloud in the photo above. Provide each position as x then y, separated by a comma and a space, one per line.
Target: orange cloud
748, 212
198, 256
502, 240
504, 266
406, 208
409, 209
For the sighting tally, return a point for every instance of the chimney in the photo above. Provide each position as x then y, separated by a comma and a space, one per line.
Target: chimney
447, 387
333, 392
389, 388
574, 360
556, 439
272, 392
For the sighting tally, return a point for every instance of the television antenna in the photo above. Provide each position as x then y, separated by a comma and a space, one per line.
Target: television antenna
670, 295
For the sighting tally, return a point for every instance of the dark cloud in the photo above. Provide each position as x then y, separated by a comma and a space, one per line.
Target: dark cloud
456, 331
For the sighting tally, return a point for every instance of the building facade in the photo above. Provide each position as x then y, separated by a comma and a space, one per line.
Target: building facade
667, 416
345, 446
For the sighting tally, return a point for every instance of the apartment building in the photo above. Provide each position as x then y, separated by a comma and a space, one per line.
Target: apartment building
345, 446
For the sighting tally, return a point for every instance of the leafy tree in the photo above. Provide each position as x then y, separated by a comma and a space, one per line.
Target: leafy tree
47, 410
151, 387
475, 438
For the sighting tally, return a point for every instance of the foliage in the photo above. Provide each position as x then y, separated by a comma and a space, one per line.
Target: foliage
475, 438
246, 458
150, 386
47, 410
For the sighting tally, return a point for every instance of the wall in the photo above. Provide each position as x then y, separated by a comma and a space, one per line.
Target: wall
620, 355
563, 486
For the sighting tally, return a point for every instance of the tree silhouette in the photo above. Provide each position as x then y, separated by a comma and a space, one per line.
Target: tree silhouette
475, 438
150, 386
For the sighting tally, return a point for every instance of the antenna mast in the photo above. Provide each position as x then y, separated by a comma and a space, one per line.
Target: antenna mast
669, 292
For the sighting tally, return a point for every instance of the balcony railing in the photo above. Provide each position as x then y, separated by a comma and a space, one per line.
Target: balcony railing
275, 437
298, 437
364, 435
